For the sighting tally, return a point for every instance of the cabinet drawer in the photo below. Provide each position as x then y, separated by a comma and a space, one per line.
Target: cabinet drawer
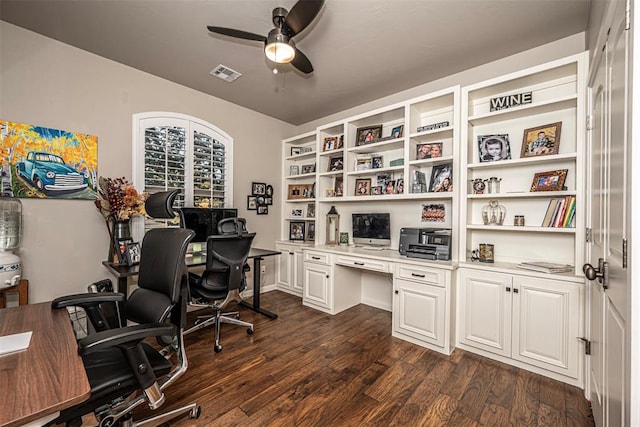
415, 273
366, 264
317, 257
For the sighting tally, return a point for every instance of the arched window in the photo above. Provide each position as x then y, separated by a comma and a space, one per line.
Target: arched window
175, 151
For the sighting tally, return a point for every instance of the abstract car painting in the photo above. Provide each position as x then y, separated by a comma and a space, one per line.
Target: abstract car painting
42, 162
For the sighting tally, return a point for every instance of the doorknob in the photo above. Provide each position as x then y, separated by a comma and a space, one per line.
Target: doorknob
601, 273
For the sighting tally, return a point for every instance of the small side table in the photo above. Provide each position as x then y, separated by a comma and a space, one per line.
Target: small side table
22, 289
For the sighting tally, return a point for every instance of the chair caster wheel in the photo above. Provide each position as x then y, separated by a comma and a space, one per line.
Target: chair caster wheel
195, 413
217, 348
250, 331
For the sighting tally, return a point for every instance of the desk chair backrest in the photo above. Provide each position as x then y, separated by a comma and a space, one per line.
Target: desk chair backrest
229, 252
160, 205
232, 226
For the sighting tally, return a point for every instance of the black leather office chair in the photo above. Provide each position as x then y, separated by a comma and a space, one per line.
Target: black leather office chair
222, 281
123, 370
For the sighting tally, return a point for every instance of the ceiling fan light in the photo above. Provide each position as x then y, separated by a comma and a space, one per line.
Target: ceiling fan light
279, 48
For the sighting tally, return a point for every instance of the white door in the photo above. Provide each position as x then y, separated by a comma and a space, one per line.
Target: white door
609, 305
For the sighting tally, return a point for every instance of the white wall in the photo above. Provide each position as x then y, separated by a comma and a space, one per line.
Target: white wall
47, 83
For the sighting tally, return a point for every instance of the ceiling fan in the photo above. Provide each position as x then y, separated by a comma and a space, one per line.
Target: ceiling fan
278, 45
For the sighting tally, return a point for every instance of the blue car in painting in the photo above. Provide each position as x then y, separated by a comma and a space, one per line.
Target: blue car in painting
48, 172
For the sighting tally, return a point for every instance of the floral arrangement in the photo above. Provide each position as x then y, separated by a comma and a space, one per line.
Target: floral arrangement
118, 200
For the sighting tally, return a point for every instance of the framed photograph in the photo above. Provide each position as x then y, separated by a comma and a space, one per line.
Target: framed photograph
308, 168
396, 132
252, 203
549, 181
268, 201
121, 249
377, 190
338, 186
311, 210
433, 212
367, 135
260, 200
363, 163
542, 140
363, 186
296, 230
340, 142
441, 178
132, 253
269, 191
294, 170
258, 188
295, 151
390, 186
377, 162
296, 213
300, 191
311, 232
431, 150
336, 164
330, 143
263, 210
399, 186
494, 147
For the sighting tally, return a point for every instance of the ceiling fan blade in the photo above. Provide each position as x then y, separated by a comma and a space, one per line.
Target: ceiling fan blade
236, 33
302, 63
301, 15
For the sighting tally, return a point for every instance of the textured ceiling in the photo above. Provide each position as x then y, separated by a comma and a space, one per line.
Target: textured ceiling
361, 49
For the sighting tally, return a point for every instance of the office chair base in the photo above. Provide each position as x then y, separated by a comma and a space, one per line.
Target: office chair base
193, 409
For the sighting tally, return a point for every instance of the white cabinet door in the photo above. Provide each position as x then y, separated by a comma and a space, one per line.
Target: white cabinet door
297, 281
284, 266
546, 322
485, 311
318, 290
419, 311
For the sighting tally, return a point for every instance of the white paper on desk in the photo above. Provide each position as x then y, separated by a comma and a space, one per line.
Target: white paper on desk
15, 342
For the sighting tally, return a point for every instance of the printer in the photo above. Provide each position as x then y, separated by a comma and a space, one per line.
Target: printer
426, 243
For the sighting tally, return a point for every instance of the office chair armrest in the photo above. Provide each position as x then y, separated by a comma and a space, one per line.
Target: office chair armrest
130, 334
86, 300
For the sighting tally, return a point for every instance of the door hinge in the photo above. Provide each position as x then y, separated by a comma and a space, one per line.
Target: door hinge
587, 235
587, 345
589, 122
624, 253
627, 24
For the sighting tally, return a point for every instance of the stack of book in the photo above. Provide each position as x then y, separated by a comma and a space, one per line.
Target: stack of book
560, 213
545, 267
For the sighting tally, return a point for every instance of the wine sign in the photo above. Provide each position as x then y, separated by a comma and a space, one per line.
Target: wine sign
508, 101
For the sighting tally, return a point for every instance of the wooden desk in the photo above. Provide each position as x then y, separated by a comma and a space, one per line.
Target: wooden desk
123, 272
46, 377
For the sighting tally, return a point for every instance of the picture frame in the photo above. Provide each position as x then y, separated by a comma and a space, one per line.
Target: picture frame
340, 142
295, 151
368, 134
336, 163
338, 186
541, 140
311, 232
121, 249
363, 187
441, 178
376, 191
263, 210
428, 150
396, 131
389, 187
252, 203
308, 168
269, 190
132, 253
494, 147
268, 201
300, 191
399, 189
260, 200
433, 212
258, 188
296, 213
549, 181
377, 162
311, 210
330, 143
294, 170
296, 230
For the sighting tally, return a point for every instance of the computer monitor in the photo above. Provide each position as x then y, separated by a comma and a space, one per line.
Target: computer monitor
372, 229
204, 221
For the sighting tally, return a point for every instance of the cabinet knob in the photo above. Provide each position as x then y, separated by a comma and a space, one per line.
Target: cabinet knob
396, 292
327, 276
515, 290
508, 289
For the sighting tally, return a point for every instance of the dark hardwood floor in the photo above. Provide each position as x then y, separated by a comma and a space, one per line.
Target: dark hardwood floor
307, 368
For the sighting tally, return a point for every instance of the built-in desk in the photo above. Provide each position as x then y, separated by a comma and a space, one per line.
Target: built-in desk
419, 293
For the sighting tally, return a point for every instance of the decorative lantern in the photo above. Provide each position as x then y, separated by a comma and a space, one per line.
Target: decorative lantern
333, 225
10, 237
493, 213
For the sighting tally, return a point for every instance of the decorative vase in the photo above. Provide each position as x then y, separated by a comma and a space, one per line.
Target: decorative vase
120, 230
493, 213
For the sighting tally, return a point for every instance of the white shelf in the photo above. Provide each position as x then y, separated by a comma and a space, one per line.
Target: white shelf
391, 144
331, 152
309, 155
433, 132
432, 162
301, 176
525, 110
298, 218
307, 200
332, 173
525, 229
523, 195
555, 158
375, 171
388, 197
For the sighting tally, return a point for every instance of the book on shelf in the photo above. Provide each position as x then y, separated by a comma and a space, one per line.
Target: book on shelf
545, 267
560, 212
548, 217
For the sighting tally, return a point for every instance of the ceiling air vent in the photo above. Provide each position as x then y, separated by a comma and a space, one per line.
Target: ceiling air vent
225, 73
